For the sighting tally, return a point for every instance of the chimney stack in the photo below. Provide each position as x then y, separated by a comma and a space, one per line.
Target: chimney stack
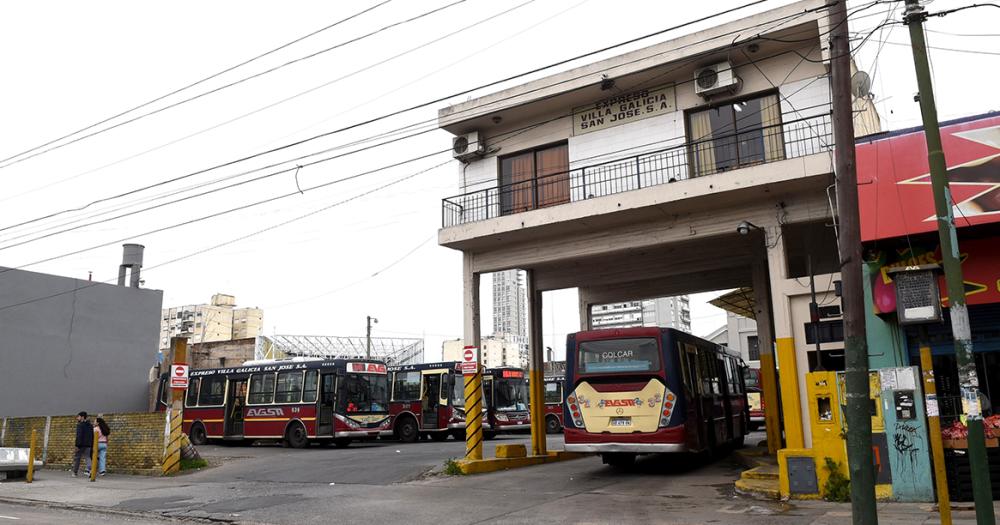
131, 259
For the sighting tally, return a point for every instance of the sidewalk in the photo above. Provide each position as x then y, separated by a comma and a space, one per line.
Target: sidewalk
581, 491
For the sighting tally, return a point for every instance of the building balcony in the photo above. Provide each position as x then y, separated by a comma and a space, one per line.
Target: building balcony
730, 162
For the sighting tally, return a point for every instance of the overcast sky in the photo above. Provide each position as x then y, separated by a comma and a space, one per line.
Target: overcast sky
70, 64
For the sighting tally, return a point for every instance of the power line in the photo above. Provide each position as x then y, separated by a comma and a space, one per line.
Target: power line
196, 83
387, 115
290, 169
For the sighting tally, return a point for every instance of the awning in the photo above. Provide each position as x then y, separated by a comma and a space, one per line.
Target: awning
739, 301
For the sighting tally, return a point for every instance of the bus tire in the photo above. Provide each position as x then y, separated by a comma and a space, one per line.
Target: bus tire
552, 425
342, 442
296, 436
198, 436
620, 460
406, 430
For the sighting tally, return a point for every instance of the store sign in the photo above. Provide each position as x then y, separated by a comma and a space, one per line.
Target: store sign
894, 184
624, 108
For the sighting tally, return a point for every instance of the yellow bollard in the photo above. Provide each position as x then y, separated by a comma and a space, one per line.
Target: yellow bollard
934, 429
474, 415
93, 457
31, 456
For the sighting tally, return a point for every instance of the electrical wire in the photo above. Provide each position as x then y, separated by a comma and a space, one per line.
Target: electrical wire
198, 82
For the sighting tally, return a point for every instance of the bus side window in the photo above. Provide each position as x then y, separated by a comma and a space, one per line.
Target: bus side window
288, 388
192, 393
261, 389
406, 386
552, 394
212, 391
309, 386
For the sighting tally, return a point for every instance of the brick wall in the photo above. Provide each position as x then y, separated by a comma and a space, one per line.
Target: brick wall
135, 445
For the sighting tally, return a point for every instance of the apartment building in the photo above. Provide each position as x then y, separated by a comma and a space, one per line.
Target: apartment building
218, 320
666, 312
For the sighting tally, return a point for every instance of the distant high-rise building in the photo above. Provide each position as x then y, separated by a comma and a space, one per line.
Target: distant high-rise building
666, 312
510, 309
218, 321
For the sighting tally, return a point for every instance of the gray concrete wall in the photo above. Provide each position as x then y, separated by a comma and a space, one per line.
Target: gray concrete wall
68, 345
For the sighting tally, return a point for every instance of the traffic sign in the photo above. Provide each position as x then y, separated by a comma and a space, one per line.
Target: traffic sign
179, 376
469, 363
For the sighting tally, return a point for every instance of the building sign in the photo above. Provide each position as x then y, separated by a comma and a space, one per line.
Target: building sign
624, 108
980, 271
894, 184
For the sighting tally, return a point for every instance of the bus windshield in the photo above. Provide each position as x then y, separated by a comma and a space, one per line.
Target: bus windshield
457, 390
511, 394
364, 393
619, 355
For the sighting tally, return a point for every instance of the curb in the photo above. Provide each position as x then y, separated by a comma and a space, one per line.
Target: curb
483, 466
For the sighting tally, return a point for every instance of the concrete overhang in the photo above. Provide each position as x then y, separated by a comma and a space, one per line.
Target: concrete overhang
727, 190
784, 27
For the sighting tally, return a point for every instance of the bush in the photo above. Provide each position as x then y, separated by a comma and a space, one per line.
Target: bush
837, 487
451, 468
191, 464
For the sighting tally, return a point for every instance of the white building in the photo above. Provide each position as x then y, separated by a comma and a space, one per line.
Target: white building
510, 310
665, 312
204, 323
739, 333
496, 352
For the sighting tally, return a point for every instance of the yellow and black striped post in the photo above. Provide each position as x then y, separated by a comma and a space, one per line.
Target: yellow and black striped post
172, 454
31, 457
474, 415
93, 457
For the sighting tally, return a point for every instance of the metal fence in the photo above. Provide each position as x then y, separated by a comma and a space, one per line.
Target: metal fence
788, 140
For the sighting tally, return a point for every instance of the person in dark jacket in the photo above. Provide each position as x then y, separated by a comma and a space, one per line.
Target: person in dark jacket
84, 441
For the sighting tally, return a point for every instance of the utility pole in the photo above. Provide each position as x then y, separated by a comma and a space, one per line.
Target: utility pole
859, 423
368, 338
961, 331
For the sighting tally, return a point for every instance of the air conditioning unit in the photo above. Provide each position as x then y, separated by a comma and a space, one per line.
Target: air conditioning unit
715, 79
467, 147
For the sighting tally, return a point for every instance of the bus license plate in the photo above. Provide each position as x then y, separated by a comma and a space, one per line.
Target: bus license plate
621, 421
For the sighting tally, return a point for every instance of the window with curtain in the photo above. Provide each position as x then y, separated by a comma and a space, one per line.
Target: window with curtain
735, 135
534, 179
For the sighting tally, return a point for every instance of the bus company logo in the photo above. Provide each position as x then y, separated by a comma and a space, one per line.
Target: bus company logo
655, 400
605, 403
366, 368
265, 412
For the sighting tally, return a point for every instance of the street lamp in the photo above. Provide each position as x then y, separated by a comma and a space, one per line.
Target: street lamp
369, 338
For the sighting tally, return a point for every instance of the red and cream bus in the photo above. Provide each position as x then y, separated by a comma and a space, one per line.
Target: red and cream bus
505, 392
651, 390
297, 400
554, 404
426, 399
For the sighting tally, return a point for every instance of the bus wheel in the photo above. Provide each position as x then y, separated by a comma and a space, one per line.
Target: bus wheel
552, 425
197, 435
439, 436
296, 436
618, 459
342, 442
406, 430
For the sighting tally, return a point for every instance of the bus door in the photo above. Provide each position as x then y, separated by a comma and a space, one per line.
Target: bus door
234, 408
726, 387
430, 400
327, 400
702, 393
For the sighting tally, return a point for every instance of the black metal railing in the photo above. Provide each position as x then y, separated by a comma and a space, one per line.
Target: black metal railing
788, 140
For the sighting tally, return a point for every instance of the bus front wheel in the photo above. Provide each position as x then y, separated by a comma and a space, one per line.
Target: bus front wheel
296, 436
197, 435
406, 430
552, 425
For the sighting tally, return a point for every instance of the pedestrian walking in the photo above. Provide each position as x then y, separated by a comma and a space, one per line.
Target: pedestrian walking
84, 441
103, 431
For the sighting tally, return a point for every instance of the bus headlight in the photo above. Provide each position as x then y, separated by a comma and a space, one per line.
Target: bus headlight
502, 417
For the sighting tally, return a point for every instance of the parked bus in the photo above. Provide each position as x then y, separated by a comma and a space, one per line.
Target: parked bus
426, 399
755, 398
506, 399
297, 400
554, 404
651, 390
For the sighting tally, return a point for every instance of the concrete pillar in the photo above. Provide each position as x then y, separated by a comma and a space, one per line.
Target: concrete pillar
584, 304
765, 334
470, 306
793, 406
536, 366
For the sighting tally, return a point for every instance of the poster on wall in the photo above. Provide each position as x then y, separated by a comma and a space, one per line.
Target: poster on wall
894, 184
624, 108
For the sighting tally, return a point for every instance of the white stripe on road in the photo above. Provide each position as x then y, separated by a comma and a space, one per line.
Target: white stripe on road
8, 518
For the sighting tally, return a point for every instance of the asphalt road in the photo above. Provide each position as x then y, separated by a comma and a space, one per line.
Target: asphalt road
32, 515
375, 463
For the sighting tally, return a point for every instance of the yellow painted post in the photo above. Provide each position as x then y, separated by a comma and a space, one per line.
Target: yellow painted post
934, 429
31, 456
791, 407
93, 457
536, 401
536, 368
474, 414
172, 454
